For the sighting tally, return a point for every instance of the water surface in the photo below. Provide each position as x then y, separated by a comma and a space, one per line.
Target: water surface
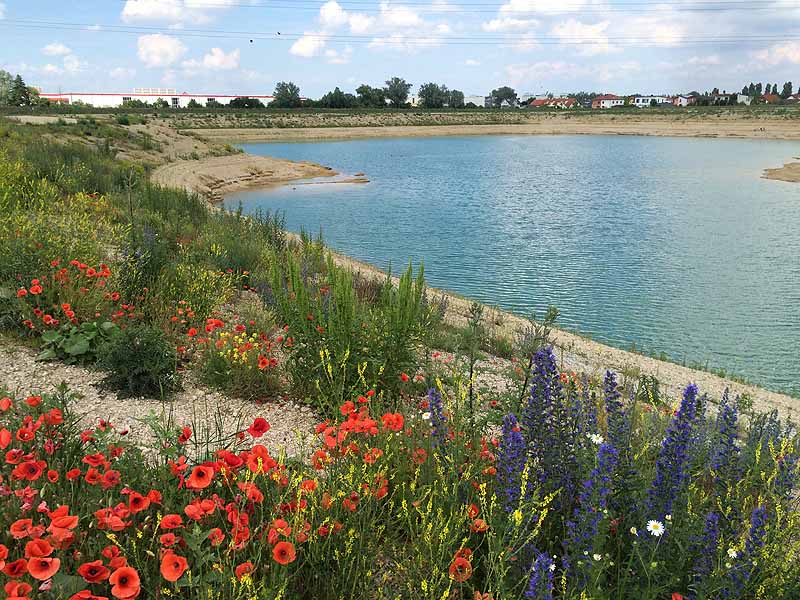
675, 245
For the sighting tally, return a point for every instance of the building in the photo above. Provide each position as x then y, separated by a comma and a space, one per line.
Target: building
648, 101
479, 101
149, 95
682, 100
607, 101
726, 99
529, 96
564, 103
771, 99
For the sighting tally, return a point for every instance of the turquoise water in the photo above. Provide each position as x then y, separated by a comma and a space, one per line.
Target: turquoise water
674, 245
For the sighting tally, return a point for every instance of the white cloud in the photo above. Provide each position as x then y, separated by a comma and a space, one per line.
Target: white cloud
159, 50
50, 69
122, 73
399, 16
216, 60
72, 64
545, 7
667, 29
335, 57
309, 45
542, 73
589, 39
360, 23
779, 53
705, 61
173, 11
56, 49
471, 62
332, 15
509, 24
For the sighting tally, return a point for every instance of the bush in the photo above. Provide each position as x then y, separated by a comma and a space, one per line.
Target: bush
123, 120
141, 362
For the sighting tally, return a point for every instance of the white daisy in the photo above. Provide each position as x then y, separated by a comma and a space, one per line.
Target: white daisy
656, 528
426, 415
732, 552
595, 438
597, 557
552, 567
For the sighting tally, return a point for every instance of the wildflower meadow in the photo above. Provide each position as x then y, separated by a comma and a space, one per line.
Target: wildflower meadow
417, 481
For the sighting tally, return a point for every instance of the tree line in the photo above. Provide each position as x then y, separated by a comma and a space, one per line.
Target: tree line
15, 92
757, 89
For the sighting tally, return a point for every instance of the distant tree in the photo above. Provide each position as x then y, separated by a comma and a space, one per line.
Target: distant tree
193, 104
245, 102
504, 94
768, 90
787, 90
744, 91
36, 99
758, 89
6, 82
286, 95
775, 88
136, 104
160, 103
371, 97
751, 89
456, 99
715, 92
470, 105
432, 95
19, 95
396, 91
337, 99
212, 103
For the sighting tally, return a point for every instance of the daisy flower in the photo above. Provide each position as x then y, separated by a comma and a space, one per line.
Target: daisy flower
656, 528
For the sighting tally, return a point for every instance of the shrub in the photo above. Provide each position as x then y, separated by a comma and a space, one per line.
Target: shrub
123, 120
140, 362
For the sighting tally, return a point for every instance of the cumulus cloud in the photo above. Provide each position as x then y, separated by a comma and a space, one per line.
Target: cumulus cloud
159, 50
56, 49
215, 60
542, 71
122, 73
336, 57
589, 39
50, 69
544, 7
788, 52
310, 44
705, 61
72, 64
509, 24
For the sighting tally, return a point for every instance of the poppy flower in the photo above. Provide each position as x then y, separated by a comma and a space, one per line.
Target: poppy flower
259, 427
243, 569
38, 549
15, 569
125, 582
200, 478
173, 566
43, 568
479, 525
283, 553
171, 522
94, 572
460, 569
17, 590
86, 595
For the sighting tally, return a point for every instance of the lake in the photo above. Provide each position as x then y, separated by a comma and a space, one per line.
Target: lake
675, 245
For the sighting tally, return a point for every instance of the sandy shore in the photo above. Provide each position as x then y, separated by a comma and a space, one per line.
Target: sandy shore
788, 172
215, 176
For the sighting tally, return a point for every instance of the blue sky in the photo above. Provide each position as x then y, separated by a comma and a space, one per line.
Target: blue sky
621, 46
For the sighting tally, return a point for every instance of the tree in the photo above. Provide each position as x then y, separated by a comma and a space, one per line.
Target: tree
337, 99
751, 89
396, 91
787, 90
456, 99
768, 90
245, 102
193, 104
19, 95
160, 103
504, 94
286, 95
371, 97
6, 81
432, 95
758, 89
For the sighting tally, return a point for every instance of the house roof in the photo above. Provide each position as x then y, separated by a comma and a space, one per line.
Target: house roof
607, 97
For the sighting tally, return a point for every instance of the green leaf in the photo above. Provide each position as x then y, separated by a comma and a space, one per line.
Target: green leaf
48, 354
107, 326
51, 336
7, 293
76, 344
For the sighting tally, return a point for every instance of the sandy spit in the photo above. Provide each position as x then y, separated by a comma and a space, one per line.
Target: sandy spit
788, 172
214, 177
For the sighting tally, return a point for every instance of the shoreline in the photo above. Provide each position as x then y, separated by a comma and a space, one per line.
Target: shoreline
575, 352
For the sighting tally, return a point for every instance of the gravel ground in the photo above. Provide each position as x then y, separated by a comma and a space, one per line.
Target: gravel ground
206, 411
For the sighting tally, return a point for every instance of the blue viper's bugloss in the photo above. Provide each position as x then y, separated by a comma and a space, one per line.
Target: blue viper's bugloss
672, 472
438, 420
540, 583
707, 551
510, 463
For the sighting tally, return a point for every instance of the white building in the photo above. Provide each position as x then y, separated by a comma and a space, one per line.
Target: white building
149, 95
647, 101
607, 101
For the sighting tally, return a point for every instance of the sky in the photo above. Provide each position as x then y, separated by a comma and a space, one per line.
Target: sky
537, 46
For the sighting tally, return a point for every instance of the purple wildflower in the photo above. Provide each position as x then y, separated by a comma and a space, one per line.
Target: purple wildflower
707, 551
618, 427
741, 572
540, 583
672, 472
725, 455
510, 462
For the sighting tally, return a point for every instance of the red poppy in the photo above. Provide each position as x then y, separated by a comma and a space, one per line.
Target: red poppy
460, 569
86, 595
171, 522
126, 583
15, 569
479, 525
677, 596
43, 568
17, 590
259, 427
173, 566
200, 478
94, 572
38, 548
283, 553
392, 421
243, 569
5, 403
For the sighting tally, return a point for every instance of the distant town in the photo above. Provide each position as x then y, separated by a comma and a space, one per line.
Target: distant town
397, 93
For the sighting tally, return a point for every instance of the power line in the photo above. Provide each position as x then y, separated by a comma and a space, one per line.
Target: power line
411, 40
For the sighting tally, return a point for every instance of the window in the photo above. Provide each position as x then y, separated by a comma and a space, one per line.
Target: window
211, 100
126, 99
175, 103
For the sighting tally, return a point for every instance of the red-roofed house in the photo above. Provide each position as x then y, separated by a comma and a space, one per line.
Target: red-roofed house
565, 103
607, 101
